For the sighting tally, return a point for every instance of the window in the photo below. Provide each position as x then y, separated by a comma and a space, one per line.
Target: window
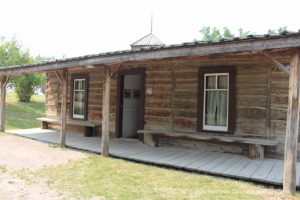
215, 102
216, 107
79, 97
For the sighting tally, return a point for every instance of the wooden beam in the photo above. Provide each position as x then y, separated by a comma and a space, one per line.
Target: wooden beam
116, 71
63, 108
292, 126
276, 62
4, 81
188, 50
105, 112
58, 77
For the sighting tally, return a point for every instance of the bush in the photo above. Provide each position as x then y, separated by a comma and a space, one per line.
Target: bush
26, 85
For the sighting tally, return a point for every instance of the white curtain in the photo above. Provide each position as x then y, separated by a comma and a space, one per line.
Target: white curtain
216, 104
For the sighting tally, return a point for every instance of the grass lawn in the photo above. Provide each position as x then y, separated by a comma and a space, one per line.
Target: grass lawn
21, 115
118, 179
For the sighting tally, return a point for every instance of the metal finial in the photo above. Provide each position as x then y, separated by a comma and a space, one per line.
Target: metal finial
151, 22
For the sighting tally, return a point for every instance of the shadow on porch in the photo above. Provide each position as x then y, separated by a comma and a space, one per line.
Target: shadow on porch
224, 164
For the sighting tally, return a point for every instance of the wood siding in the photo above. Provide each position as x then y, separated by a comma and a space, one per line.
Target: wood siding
171, 97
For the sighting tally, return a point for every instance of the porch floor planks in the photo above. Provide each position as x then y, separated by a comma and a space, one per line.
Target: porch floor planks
169, 152
249, 169
276, 174
236, 167
213, 163
197, 164
264, 169
162, 153
225, 164
188, 158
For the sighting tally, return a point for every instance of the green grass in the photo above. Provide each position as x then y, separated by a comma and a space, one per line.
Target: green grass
3, 169
20, 115
118, 179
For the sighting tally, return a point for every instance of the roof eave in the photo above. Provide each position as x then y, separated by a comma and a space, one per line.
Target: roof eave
160, 53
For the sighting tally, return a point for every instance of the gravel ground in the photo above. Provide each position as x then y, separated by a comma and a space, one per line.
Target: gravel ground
19, 153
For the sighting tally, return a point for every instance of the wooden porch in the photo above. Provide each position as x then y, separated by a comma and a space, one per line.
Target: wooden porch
268, 170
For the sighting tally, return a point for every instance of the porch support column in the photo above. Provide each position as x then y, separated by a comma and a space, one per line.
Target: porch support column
4, 81
105, 112
63, 109
291, 139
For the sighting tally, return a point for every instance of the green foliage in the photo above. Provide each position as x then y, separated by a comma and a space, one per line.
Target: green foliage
12, 53
243, 33
26, 85
213, 33
279, 30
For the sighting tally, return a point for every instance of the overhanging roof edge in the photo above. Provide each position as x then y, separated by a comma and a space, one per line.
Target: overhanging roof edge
158, 53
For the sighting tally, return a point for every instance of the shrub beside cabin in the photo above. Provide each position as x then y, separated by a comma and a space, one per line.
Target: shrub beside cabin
228, 96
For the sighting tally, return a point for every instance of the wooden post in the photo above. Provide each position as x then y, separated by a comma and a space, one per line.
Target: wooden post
105, 112
63, 108
4, 81
291, 139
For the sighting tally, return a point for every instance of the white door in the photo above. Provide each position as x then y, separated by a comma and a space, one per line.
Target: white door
131, 105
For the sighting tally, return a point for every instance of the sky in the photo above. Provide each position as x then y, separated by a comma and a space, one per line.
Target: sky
68, 28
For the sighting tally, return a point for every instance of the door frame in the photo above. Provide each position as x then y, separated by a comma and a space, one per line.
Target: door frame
119, 106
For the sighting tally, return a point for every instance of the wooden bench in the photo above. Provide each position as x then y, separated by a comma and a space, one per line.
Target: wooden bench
256, 145
89, 127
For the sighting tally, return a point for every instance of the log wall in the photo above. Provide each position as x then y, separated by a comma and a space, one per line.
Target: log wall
172, 97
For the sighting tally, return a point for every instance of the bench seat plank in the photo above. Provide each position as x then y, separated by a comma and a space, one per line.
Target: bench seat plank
230, 139
69, 121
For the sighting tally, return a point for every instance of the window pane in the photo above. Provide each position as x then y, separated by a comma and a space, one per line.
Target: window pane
210, 82
78, 103
222, 82
216, 108
76, 85
81, 85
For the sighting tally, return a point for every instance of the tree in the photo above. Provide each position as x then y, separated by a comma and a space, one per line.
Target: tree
25, 86
12, 53
279, 30
215, 33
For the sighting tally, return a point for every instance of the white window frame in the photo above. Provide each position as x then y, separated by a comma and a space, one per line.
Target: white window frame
76, 116
209, 127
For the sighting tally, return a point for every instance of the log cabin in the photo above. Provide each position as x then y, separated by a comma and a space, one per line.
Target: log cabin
238, 95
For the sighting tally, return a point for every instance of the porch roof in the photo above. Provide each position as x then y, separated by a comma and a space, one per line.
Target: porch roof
189, 49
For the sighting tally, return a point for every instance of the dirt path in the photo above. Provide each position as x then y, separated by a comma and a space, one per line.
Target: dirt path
19, 153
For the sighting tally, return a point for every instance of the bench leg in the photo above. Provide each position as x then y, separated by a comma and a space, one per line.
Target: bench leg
150, 140
256, 152
44, 125
88, 131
